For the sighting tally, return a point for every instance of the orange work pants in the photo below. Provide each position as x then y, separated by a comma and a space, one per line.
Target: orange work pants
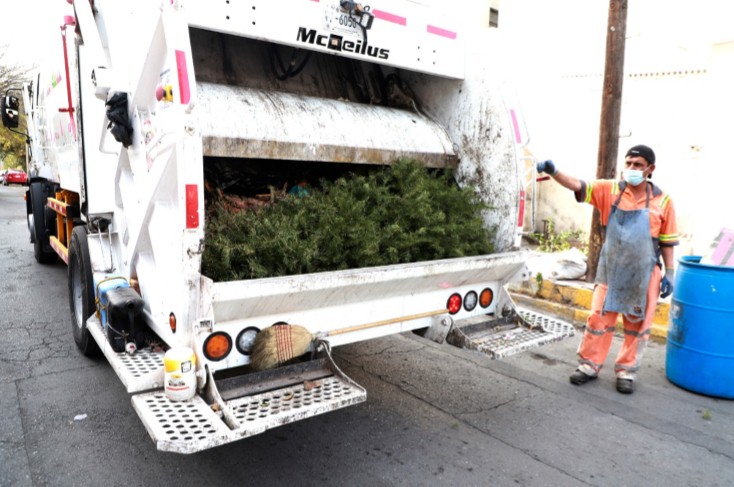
597, 340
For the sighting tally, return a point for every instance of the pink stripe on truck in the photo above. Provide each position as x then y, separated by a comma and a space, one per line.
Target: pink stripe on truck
183, 77
432, 29
395, 19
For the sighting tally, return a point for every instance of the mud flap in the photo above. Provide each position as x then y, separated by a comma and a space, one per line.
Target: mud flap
517, 330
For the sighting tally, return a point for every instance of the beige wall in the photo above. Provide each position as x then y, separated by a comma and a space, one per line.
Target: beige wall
678, 97
668, 112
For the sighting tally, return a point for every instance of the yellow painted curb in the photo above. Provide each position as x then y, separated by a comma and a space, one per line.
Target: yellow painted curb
573, 301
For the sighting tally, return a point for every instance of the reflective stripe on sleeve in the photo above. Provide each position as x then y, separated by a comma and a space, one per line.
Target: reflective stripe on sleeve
669, 239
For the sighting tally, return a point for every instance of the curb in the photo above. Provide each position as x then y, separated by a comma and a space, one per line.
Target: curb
572, 301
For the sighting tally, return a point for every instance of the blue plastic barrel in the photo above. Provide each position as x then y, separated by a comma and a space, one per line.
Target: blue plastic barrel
700, 350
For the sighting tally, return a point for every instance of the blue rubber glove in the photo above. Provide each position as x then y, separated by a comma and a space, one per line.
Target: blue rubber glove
547, 167
666, 285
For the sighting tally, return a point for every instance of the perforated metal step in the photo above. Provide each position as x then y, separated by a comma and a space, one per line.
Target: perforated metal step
549, 324
532, 330
141, 371
180, 426
191, 426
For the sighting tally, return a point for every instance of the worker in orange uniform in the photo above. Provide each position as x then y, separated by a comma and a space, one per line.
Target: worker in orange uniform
640, 228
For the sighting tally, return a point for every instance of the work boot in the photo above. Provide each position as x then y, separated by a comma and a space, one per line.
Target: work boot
625, 386
579, 377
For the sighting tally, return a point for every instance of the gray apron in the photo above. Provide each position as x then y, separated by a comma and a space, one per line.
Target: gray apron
627, 259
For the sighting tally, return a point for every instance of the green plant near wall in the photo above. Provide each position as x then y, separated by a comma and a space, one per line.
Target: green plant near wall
550, 241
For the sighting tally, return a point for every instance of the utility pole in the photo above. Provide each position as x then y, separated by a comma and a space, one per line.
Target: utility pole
611, 108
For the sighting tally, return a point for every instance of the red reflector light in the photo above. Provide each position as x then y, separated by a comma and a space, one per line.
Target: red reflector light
192, 206
454, 304
172, 322
485, 299
217, 346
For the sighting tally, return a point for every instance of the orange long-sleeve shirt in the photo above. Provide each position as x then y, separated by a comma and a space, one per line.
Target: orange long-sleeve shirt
603, 193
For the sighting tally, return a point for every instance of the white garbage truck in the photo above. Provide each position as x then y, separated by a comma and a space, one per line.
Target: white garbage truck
147, 97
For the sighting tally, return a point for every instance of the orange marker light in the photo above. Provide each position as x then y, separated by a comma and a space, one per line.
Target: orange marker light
172, 322
485, 299
217, 346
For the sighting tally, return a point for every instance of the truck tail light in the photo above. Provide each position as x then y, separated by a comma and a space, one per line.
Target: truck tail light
217, 346
454, 303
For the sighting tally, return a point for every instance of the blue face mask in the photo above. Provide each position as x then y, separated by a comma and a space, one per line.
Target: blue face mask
633, 176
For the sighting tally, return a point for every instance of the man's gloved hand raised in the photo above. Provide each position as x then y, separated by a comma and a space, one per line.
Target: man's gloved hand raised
666, 285
547, 167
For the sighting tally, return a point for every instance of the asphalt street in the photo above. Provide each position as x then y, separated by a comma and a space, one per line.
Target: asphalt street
434, 415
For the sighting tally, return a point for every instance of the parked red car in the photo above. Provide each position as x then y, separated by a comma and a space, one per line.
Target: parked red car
15, 176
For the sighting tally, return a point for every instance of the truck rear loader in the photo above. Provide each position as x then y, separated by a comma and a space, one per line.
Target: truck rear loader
147, 98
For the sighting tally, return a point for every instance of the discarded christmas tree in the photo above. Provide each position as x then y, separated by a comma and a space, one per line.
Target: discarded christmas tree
398, 214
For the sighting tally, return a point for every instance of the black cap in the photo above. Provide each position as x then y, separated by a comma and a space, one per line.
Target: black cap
642, 151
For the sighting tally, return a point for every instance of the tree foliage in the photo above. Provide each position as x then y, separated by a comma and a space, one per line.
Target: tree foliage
395, 215
12, 144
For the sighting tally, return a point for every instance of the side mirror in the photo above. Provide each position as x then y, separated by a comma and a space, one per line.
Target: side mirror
9, 108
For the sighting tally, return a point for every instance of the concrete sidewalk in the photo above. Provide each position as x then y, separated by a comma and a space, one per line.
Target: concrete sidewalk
572, 300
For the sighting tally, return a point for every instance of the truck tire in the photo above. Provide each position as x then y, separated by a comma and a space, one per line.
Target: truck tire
81, 291
42, 250
29, 213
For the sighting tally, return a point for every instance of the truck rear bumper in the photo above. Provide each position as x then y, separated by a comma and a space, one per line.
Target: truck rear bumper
259, 402
239, 407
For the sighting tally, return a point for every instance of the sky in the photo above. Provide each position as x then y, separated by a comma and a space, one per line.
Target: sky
32, 33
657, 31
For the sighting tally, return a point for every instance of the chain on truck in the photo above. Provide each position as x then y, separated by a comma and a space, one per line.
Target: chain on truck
149, 96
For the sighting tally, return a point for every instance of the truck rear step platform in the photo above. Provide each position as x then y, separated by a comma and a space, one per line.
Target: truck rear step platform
141, 371
525, 331
303, 390
254, 403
